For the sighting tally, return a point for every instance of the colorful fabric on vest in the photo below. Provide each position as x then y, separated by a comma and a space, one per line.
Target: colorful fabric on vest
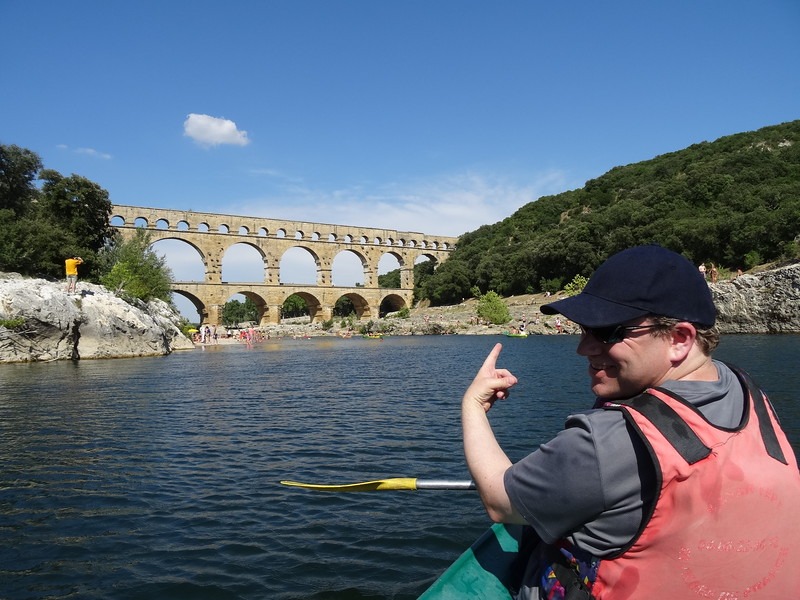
567, 577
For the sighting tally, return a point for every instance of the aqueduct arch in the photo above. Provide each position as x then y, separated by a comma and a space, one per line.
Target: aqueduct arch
211, 235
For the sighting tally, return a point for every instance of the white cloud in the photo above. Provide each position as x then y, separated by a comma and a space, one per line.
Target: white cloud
87, 151
93, 152
213, 131
450, 205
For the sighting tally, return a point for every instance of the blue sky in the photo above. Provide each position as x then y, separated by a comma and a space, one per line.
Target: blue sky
436, 116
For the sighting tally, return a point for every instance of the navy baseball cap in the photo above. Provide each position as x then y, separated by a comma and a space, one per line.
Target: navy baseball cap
639, 281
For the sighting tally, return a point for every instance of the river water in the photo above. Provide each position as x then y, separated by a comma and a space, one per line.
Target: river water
158, 477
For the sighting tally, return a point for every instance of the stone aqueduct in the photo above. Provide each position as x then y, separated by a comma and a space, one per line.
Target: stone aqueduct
211, 235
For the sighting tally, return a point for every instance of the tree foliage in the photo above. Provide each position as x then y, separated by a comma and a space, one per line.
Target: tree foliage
390, 279
294, 306
69, 216
18, 169
136, 270
235, 312
491, 308
575, 287
422, 273
344, 307
41, 227
734, 202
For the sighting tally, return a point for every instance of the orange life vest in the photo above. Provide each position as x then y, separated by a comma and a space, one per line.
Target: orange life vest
724, 525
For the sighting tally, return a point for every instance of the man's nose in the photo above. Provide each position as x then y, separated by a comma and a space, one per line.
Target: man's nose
589, 345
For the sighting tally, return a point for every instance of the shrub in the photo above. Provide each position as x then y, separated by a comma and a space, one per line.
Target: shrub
550, 285
137, 271
576, 286
752, 259
12, 323
492, 308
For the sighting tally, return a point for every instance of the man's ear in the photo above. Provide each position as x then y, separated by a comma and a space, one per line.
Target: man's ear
682, 339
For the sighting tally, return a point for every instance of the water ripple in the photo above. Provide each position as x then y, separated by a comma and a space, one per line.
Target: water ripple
157, 477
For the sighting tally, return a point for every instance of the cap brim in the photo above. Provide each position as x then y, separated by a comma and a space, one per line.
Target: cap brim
592, 311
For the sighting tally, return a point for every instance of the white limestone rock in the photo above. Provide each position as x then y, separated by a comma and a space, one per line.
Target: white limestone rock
93, 323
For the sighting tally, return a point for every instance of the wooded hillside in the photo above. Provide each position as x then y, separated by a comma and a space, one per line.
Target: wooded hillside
734, 202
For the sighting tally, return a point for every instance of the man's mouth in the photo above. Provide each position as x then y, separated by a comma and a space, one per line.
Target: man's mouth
596, 367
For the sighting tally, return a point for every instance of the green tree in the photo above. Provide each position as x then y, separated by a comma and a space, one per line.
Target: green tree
344, 307
450, 284
390, 279
576, 286
18, 250
69, 216
294, 306
36, 249
78, 206
492, 308
136, 270
235, 312
422, 273
18, 170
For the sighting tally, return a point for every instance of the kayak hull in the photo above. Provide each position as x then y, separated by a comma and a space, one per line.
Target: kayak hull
485, 571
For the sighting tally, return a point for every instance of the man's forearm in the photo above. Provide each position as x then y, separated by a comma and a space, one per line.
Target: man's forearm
487, 464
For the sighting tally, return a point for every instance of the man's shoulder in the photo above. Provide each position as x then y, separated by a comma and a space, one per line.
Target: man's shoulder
595, 420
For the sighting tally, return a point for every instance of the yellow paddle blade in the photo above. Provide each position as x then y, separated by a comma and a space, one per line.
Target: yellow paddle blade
396, 483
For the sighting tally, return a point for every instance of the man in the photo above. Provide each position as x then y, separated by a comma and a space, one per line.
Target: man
72, 273
678, 484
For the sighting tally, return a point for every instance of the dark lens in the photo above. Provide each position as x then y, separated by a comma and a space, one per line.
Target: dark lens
607, 335
615, 334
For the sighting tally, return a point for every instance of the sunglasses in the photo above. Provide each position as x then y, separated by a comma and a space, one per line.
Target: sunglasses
613, 334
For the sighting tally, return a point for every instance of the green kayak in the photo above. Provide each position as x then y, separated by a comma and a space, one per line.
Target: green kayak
485, 571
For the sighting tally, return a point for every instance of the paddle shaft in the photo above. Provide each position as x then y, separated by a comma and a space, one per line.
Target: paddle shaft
440, 484
391, 484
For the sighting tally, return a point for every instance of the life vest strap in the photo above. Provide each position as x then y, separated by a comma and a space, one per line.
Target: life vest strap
771, 443
677, 432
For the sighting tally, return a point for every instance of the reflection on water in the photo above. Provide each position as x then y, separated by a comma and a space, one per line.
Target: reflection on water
157, 477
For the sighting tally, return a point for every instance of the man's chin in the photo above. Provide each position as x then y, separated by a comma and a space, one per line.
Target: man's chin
605, 390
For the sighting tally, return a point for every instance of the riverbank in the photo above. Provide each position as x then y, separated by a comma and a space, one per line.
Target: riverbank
39, 321
766, 300
460, 319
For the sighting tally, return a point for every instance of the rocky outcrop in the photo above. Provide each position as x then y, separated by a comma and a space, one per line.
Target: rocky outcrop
767, 301
41, 322
764, 302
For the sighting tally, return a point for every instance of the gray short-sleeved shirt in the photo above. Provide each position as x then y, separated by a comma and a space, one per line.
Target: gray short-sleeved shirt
592, 482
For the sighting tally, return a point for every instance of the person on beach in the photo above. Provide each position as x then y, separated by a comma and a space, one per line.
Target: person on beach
678, 483
71, 267
714, 273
